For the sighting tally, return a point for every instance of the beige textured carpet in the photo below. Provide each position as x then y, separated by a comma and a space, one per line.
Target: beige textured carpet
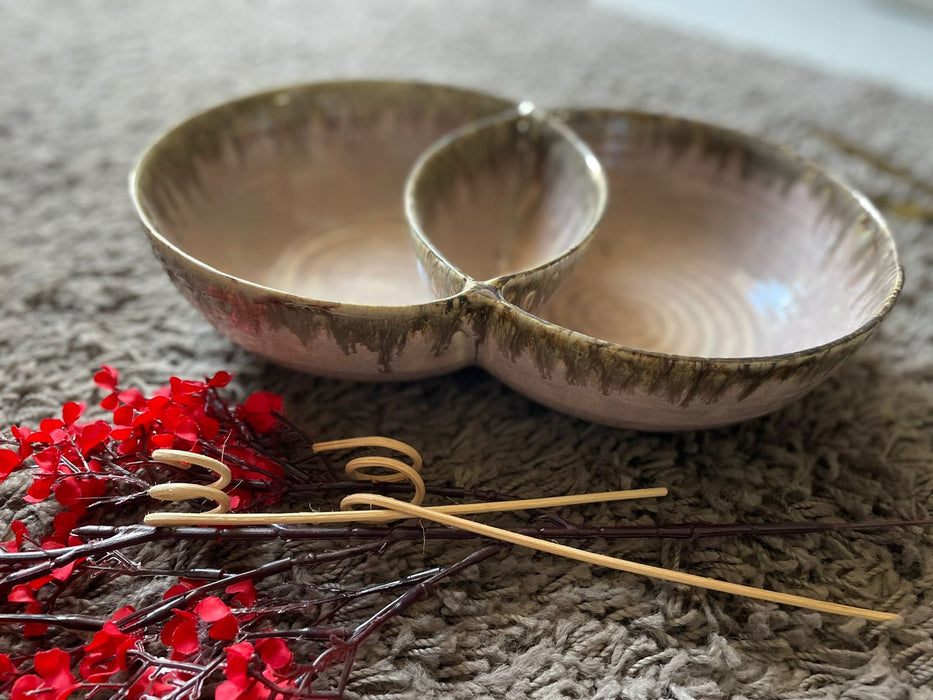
83, 87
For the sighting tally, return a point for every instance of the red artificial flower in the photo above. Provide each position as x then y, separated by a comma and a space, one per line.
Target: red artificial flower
258, 408
20, 533
213, 610
22, 434
187, 392
131, 397
181, 634
92, 435
39, 490
183, 586
7, 668
9, 462
153, 683
244, 593
63, 524
274, 652
239, 685
53, 679
71, 411
220, 380
107, 379
49, 462
21, 594
106, 653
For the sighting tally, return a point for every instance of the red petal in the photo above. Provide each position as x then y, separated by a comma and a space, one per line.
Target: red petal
109, 402
227, 628
93, 434
186, 429
9, 461
50, 424
67, 491
163, 441
228, 690
105, 638
71, 411
35, 629
25, 686
132, 397
243, 592
121, 433
107, 378
274, 652
185, 640
21, 594
53, 665
35, 585
40, 489
64, 523
175, 590
20, 531
238, 656
40, 436
48, 460
258, 407
157, 404
124, 415
122, 612
128, 446
63, 573
210, 428
6, 667
219, 380
212, 609
180, 633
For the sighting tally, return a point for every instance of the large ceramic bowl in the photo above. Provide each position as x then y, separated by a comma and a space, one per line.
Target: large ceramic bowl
728, 277
280, 217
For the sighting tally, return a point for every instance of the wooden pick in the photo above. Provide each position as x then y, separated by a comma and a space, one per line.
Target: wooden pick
223, 519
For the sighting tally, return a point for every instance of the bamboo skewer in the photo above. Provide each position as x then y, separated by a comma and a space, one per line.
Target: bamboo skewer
562, 550
222, 519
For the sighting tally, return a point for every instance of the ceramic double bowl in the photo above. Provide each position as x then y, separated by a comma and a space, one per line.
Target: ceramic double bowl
632, 269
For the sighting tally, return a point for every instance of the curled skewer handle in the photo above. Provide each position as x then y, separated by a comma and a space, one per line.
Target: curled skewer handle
374, 441
182, 458
187, 492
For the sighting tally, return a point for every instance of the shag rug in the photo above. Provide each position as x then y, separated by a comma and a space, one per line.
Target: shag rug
85, 85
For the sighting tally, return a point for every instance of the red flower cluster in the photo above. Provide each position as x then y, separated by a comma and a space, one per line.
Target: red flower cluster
83, 463
106, 654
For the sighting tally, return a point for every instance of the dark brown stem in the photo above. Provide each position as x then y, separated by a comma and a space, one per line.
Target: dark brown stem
82, 623
159, 611
395, 608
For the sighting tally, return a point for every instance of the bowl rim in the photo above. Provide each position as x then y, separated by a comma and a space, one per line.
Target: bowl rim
269, 95
747, 141
524, 110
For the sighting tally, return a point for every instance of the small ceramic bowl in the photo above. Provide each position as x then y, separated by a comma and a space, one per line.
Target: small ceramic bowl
728, 277
280, 217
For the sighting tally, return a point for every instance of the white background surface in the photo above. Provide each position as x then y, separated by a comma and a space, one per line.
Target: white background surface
889, 41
